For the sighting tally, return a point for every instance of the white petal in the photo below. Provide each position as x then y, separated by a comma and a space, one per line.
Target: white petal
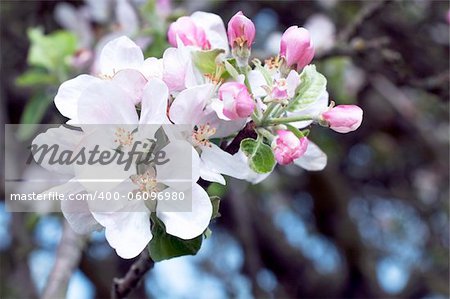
314, 110
256, 80
97, 176
214, 29
154, 103
59, 141
66, 100
292, 80
106, 103
81, 222
77, 212
132, 82
178, 171
152, 68
175, 62
188, 106
314, 158
224, 128
182, 224
127, 232
218, 105
210, 176
217, 160
119, 54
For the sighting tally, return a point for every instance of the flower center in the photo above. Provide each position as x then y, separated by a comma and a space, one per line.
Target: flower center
202, 134
279, 91
146, 181
123, 137
272, 63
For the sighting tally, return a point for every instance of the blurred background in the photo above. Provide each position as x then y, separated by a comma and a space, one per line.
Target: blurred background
373, 224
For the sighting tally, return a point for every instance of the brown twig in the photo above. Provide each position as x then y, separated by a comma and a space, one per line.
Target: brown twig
123, 286
347, 46
356, 47
366, 13
67, 259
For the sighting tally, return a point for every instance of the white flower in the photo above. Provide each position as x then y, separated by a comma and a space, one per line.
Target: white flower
127, 223
190, 107
121, 61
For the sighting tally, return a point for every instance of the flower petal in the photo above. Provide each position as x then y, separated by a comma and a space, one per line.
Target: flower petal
224, 128
292, 80
313, 109
62, 140
257, 81
209, 175
152, 68
119, 54
314, 158
214, 29
154, 103
188, 106
127, 232
182, 224
66, 100
181, 171
175, 64
106, 103
132, 82
77, 212
217, 160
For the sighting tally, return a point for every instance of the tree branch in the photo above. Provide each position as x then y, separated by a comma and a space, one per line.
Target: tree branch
67, 259
358, 46
366, 13
123, 286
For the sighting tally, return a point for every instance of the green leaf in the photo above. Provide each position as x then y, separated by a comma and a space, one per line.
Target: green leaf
216, 189
215, 201
294, 130
231, 70
164, 246
34, 77
312, 85
32, 115
260, 155
50, 51
206, 61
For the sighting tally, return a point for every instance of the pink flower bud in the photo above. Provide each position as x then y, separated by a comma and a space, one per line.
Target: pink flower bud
287, 147
188, 32
237, 102
343, 118
241, 30
296, 47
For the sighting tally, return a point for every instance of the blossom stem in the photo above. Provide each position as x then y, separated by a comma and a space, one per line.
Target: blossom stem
286, 120
268, 112
266, 133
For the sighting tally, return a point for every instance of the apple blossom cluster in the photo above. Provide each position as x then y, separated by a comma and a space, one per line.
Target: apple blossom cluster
206, 80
